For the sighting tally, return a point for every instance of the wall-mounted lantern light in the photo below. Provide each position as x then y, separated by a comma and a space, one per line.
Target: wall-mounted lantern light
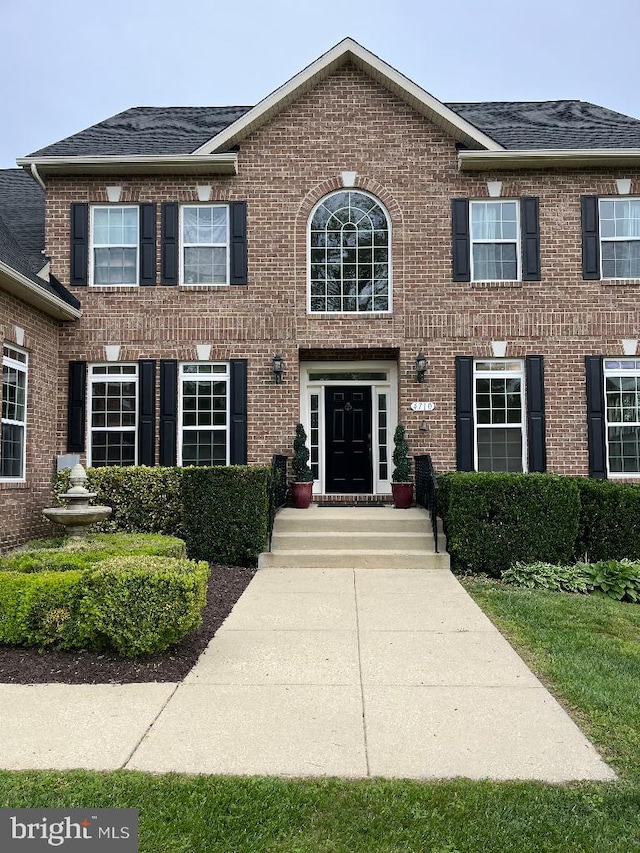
421, 367
277, 365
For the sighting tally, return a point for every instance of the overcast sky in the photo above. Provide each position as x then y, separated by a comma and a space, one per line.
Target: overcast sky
67, 64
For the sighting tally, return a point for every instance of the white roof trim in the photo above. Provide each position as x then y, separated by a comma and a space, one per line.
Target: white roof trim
547, 158
29, 292
349, 50
131, 164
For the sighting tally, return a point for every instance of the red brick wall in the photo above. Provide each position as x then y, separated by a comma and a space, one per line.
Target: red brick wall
21, 503
349, 122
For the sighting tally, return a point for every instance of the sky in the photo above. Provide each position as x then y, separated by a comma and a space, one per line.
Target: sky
68, 64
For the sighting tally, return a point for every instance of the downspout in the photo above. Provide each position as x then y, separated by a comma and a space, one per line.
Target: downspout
34, 172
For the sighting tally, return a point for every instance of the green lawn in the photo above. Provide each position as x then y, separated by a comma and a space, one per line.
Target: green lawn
587, 649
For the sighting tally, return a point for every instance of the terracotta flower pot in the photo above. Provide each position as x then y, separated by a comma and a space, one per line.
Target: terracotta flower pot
402, 495
301, 494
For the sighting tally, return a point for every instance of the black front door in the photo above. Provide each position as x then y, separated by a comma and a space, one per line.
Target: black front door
349, 468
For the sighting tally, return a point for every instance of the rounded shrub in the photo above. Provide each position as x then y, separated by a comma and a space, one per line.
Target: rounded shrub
144, 604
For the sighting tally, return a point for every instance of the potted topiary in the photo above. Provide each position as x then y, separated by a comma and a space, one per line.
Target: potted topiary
302, 487
401, 486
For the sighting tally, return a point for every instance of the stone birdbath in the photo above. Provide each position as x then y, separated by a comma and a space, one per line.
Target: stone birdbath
77, 517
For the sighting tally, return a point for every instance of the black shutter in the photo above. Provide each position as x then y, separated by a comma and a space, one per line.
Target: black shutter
536, 424
464, 413
590, 237
168, 411
147, 411
170, 243
530, 232
79, 244
596, 417
461, 245
147, 244
77, 406
238, 394
238, 242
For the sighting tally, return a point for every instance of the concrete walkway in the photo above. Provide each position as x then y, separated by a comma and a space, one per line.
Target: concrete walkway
353, 673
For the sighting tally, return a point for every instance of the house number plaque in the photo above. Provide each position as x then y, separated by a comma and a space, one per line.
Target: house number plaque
422, 407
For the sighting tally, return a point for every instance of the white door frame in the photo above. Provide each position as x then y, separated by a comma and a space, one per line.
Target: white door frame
312, 392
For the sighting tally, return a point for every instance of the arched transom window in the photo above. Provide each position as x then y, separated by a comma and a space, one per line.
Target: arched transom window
349, 254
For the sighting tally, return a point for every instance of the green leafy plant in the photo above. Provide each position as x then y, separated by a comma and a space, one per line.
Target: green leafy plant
300, 463
549, 576
401, 460
619, 579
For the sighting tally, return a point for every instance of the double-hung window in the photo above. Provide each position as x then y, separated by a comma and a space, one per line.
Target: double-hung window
622, 407
620, 237
113, 396
114, 245
203, 435
205, 244
499, 415
14, 413
495, 240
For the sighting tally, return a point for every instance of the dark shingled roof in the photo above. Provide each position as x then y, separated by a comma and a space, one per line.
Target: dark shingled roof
551, 124
147, 130
513, 124
22, 231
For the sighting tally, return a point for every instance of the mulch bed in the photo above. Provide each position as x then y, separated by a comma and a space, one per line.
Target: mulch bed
29, 666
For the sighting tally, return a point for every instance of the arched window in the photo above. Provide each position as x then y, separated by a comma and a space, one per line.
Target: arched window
349, 254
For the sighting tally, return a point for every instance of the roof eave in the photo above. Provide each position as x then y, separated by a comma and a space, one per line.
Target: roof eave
138, 164
26, 290
484, 161
349, 50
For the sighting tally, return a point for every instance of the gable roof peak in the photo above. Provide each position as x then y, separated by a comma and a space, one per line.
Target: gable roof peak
349, 50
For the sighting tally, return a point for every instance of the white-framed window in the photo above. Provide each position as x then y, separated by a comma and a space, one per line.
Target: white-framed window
349, 254
114, 234
204, 254
622, 407
113, 414
203, 416
13, 427
499, 401
495, 240
619, 237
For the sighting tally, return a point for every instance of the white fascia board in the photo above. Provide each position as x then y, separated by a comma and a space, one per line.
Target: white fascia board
138, 164
344, 51
549, 158
29, 292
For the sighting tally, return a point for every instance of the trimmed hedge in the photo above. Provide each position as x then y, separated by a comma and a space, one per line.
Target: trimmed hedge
140, 605
226, 513
609, 520
63, 555
494, 520
143, 499
221, 512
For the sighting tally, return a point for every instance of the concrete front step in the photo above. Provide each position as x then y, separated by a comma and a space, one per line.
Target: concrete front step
353, 540
345, 519
347, 559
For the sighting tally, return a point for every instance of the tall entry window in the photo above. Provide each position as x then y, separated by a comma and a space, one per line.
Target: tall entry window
500, 415
14, 413
349, 255
113, 414
622, 398
204, 414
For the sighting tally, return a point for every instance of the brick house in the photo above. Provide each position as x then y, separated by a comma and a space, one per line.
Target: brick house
469, 270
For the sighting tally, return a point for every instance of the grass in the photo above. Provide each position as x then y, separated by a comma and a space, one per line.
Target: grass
586, 649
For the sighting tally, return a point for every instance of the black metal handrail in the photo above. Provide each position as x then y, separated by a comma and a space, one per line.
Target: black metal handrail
277, 489
426, 490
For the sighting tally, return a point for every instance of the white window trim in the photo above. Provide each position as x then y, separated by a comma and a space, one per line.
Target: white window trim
224, 377
93, 245
184, 245
22, 366
494, 374
617, 372
106, 377
602, 239
390, 262
502, 240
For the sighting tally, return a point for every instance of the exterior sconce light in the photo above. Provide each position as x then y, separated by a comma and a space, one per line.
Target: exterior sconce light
277, 365
421, 367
